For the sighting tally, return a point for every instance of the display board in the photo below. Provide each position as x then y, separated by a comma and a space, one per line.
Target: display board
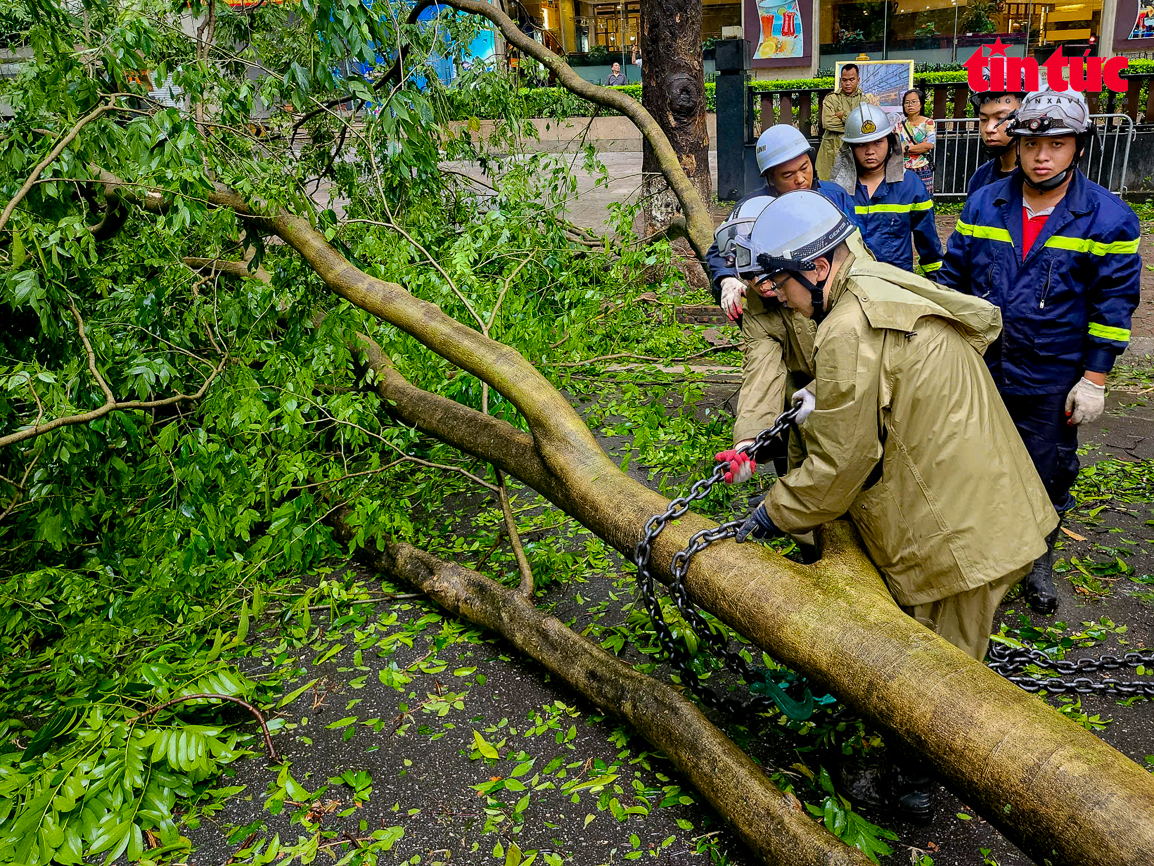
885, 79
1134, 26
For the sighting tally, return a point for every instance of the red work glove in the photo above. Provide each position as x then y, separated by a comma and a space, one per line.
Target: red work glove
741, 466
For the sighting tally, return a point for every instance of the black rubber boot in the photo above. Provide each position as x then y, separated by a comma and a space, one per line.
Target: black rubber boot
904, 789
1039, 583
912, 794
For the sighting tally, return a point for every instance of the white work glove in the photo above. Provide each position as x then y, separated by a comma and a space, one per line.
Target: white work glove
805, 402
1085, 402
732, 291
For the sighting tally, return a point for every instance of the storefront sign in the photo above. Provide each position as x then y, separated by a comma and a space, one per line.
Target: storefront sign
1085, 74
1134, 26
780, 31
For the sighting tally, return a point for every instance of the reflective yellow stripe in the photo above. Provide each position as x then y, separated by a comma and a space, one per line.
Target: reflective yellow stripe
1120, 335
990, 233
889, 208
932, 266
922, 205
1085, 245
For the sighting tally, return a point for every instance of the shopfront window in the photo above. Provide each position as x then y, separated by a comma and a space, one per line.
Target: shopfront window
944, 31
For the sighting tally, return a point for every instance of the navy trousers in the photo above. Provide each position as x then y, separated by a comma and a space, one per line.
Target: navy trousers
1052, 443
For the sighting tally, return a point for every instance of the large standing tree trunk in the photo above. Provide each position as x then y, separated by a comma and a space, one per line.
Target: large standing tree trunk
673, 78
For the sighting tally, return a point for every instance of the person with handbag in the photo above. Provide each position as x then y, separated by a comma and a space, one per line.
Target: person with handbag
918, 138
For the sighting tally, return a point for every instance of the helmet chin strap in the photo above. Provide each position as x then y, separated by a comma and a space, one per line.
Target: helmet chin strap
1050, 183
816, 294
1055, 181
996, 151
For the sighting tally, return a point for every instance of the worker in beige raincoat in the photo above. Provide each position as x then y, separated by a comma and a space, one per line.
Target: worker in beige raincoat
908, 436
835, 108
777, 346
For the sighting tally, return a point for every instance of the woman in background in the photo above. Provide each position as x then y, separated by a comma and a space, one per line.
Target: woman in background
918, 138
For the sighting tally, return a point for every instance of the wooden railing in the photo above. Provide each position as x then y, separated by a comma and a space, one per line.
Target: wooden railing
802, 107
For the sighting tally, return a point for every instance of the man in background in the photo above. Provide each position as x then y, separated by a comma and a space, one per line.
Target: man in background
835, 108
616, 77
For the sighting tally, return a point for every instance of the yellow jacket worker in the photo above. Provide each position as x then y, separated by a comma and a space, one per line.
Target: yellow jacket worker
908, 435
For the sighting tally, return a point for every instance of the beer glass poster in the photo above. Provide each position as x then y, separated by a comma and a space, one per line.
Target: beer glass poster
781, 33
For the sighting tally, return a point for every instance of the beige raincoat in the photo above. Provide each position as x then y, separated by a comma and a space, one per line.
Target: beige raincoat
777, 353
834, 127
911, 439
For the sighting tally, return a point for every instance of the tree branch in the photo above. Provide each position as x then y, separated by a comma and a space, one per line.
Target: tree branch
699, 221
110, 402
69, 137
526, 588
772, 823
20, 488
236, 269
272, 755
108, 396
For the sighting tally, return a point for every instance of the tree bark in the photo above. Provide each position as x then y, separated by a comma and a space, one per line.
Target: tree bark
771, 822
1054, 789
673, 91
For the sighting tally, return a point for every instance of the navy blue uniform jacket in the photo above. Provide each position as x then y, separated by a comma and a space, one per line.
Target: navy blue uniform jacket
1067, 307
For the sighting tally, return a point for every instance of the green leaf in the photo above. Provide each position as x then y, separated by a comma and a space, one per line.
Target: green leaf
242, 626
296, 693
18, 256
483, 746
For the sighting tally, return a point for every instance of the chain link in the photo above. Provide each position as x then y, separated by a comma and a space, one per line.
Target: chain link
678, 654
1005, 660
1011, 661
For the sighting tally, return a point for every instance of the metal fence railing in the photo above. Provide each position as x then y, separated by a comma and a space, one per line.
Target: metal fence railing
958, 153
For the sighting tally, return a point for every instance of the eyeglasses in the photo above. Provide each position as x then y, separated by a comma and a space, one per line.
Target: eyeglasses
776, 285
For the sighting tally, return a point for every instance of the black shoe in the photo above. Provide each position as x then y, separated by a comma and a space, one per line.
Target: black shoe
1041, 594
904, 792
865, 787
913, 795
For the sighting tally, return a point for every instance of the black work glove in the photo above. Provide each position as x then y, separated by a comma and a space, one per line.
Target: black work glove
758, 525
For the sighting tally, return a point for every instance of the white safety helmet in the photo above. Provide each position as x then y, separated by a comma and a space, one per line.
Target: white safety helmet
1052, 113
739, 223
779, 144
793, 231
1049, 114
867, 123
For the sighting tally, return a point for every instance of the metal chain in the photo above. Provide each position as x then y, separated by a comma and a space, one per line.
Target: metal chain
1005, 660
1010, 661
679, 656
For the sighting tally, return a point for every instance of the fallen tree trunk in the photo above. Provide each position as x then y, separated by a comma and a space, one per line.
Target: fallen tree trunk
772, 823
1054, 789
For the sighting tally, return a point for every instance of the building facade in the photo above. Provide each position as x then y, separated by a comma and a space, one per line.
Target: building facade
791, 36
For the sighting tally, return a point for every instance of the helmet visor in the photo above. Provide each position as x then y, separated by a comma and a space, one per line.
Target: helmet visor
728, 233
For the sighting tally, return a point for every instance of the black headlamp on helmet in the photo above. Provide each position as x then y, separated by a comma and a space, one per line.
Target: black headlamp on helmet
1039, 125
